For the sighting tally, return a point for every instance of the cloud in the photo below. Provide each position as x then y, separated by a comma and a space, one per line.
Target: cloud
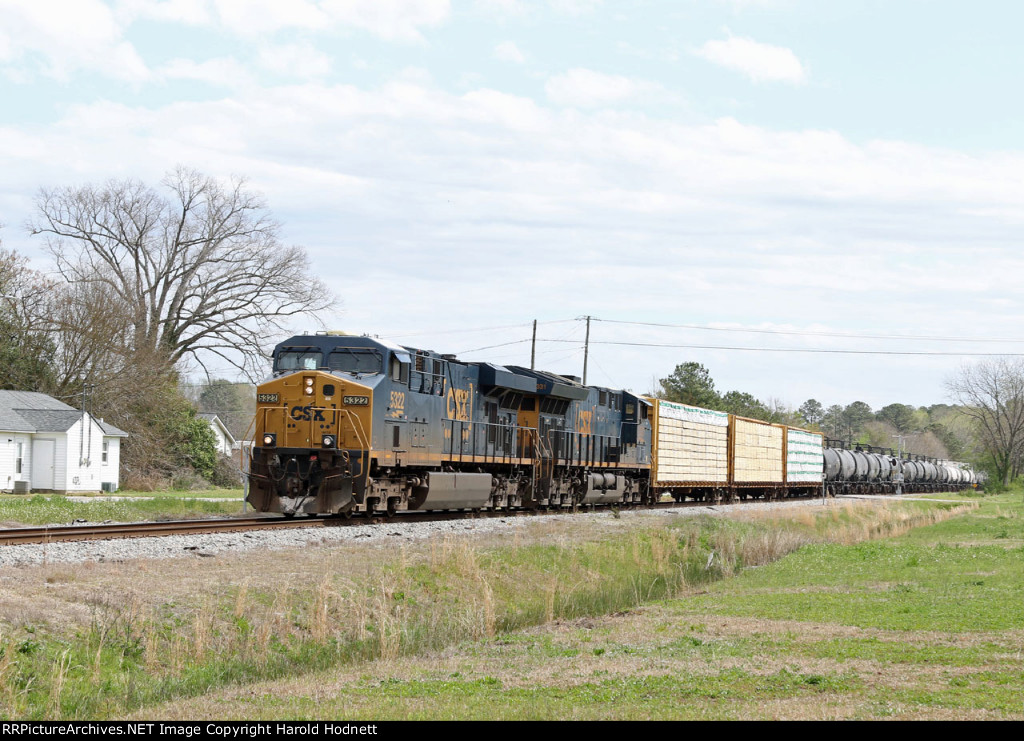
191, 12
301, 61
575, 7
391, 20
256, 17
759, 62
507, 51
58, 39
222, 72
584, 88
457, 196
504, 8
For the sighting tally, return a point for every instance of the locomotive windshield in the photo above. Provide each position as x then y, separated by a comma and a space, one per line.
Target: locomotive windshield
349, 360
298, 359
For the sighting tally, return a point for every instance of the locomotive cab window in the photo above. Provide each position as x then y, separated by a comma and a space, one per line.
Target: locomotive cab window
298, 359
349, 360
400, 368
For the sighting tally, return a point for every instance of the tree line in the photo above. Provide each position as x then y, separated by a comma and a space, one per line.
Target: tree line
151, 283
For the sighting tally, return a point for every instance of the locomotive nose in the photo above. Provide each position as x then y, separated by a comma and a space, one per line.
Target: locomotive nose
313, 426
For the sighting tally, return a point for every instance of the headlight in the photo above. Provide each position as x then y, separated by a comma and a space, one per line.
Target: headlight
328, 441
269, 440
309, 386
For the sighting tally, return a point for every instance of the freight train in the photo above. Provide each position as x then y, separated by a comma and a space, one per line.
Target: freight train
349, 424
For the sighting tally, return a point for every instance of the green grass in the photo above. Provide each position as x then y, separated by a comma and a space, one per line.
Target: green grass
934, 578
868, 607
235, 493
625, 698
928, 623
40, 510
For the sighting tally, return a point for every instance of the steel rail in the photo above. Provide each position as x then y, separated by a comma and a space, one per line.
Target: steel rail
71, 533
65, 533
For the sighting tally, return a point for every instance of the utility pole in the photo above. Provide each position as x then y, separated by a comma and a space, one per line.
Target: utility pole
533, 347
586, 351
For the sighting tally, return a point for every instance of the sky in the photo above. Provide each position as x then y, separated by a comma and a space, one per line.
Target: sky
842, 179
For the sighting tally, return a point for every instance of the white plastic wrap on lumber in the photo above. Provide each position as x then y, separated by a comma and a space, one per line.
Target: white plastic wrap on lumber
757, 452
804, 457
693, 445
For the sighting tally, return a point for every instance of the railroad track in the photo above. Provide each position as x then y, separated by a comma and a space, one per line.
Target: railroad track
62, 533
70, 533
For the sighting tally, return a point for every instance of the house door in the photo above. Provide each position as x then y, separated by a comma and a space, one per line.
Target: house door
42, 463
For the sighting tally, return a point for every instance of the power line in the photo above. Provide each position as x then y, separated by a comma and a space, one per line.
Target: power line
799, 349
491, 347
474, 329
813, 333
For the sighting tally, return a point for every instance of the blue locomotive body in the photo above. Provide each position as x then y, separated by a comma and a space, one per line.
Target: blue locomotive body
409, 429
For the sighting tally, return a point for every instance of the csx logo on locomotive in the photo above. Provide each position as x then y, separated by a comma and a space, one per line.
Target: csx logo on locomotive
306, 414
458, 403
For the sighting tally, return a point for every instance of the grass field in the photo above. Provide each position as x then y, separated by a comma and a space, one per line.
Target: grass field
49, 510
908, 610
235, 493
928, 624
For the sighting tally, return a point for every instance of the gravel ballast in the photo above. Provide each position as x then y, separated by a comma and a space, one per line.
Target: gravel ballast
210, 545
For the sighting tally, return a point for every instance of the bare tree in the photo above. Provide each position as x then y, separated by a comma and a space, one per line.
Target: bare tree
992, 396
26, 348
200, 272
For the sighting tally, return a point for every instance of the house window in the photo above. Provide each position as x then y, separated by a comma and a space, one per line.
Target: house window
17, 461
106, 449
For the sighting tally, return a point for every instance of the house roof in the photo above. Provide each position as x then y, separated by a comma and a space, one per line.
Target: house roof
46, 420
30, 400
110, 430
30, 411
214, 419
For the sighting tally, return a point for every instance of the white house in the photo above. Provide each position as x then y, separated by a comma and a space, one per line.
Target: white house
46, 445
225, 440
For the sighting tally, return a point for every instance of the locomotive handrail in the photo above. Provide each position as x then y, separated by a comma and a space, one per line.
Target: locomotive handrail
357, 430
594, 451
509, 450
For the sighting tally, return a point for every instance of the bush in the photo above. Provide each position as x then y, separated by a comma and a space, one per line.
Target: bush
197, 445
142, 481
187, 479
226, 473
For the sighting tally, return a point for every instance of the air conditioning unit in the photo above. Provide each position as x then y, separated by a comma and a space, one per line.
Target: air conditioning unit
108, 486
22, 487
